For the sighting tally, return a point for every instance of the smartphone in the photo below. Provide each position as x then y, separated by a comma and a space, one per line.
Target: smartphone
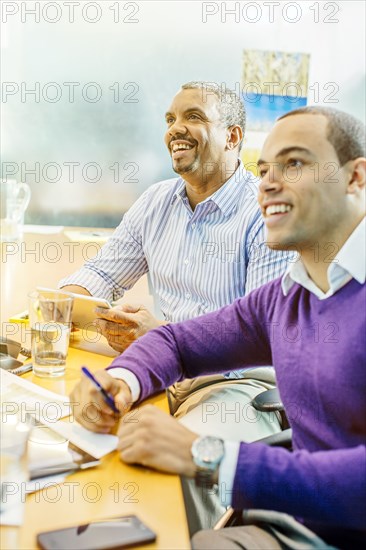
83, 311
105, 534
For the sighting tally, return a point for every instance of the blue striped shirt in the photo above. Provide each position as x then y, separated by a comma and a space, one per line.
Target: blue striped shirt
198, 261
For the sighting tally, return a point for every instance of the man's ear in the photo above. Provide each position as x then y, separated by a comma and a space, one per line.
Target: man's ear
234, 136
357, 179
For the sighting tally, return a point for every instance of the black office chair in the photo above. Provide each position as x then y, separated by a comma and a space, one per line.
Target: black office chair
270, 401
267, 401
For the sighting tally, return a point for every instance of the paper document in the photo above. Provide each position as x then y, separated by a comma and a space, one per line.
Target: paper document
97, 445
44, 482
50, 453
20, 395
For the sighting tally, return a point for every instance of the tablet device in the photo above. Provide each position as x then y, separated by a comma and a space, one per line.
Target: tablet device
105, 534
83, 311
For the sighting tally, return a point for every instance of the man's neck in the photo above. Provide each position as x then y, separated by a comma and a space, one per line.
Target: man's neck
318, 256
201, 185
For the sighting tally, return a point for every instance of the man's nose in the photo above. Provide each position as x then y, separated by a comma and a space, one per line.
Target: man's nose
272, 180
177, 127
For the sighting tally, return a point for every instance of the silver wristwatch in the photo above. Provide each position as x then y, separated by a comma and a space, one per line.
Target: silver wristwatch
207, 453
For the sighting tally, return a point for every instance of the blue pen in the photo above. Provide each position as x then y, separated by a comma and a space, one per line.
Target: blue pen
106, 396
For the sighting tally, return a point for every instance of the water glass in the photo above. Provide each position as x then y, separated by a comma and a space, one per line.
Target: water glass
50, 322
14, 200
15, 432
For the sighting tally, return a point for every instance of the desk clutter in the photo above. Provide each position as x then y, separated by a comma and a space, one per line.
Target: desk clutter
37, 448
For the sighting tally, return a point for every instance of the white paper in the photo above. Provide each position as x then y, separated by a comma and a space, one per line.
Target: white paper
44, 482
97, 445
14, 514
20, 395
47, 455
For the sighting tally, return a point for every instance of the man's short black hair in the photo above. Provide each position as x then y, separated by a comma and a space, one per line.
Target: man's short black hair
345, 132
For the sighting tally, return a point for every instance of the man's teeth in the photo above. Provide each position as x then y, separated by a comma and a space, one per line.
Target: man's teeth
277, 209
180, 146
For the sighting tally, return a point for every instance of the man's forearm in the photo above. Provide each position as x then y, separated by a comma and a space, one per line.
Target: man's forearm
205, 345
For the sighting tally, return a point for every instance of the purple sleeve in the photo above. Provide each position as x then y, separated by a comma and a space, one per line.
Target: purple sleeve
323, 486
222, 341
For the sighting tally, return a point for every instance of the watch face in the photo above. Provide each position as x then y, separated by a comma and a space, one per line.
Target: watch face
208, 451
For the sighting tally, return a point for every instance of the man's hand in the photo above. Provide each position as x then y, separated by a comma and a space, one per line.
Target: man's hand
123, 324
153, 438
89, 407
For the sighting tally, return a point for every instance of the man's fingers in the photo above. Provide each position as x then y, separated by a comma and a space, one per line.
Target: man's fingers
115, 314
131, 308
123, 401
126, 441
113, 328
92, 418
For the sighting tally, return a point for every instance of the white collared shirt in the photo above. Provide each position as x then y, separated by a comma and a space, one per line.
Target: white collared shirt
348, 264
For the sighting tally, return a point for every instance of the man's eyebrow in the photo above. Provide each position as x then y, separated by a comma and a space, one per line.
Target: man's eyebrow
286, 150
190, 110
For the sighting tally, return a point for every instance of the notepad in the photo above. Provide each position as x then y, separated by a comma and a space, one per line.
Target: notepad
95, 444
20, 395
48, 407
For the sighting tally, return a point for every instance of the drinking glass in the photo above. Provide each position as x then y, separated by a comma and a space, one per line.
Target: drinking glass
50, 322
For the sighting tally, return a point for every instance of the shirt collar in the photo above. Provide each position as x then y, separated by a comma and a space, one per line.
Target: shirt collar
350, 261
180, 191
352, 257
226, 197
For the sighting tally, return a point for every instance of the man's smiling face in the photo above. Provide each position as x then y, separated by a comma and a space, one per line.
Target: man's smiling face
195, 136
303, 189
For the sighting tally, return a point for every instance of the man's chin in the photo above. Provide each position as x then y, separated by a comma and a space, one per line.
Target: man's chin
181, 168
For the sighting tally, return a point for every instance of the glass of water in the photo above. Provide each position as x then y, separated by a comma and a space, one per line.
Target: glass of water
15, 430
50, 322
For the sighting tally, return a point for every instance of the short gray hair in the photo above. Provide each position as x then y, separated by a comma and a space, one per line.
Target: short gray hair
231, 106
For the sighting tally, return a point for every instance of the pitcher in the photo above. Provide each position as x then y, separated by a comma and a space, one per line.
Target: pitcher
14, 199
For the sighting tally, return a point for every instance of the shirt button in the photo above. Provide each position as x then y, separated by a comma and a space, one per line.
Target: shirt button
188, 295
186, 261
193, 225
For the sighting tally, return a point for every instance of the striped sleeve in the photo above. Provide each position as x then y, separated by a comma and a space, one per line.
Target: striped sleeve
120, 262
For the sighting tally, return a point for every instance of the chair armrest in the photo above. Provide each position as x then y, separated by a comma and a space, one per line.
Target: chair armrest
268, 401
280, 439
231, 517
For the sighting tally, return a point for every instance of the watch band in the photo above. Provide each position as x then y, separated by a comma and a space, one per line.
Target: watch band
205, 478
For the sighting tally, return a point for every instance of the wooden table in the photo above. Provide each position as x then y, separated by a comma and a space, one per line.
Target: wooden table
113, 488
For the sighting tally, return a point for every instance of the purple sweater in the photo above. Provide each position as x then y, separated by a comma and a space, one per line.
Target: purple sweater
318, 350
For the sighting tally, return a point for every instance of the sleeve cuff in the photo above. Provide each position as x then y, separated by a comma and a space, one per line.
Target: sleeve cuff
92, 282
227, 472
130, 378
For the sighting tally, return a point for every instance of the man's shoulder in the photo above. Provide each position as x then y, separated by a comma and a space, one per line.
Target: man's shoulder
251, 182
247, 191
266, 297
271, 289
163, 190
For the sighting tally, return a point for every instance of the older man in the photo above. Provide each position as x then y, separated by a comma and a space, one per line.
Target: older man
311, 323
201, 238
